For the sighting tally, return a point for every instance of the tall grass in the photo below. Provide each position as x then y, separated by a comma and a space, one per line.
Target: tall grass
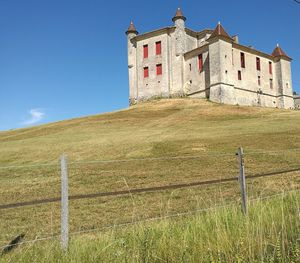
269, 233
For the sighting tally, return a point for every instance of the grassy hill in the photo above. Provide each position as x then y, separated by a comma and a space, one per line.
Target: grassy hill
135, 148
157, 128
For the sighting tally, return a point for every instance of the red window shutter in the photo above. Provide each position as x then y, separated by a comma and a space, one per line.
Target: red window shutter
145, 51
158, 69
258, 63
146, 72
158, 48
243, 60
200, 62
239, 75
270, 68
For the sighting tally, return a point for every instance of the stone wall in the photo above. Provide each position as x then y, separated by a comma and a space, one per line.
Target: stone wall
153, 86
196, 82
297, 102
249, 91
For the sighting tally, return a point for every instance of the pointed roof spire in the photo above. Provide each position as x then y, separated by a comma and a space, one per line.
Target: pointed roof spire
131, 29
278, 52
219, 31
178, 15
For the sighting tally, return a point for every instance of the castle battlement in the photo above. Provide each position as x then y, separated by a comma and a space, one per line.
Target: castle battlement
177, 61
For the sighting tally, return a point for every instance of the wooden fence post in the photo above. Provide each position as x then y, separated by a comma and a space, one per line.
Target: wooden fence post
242, 180
64, 203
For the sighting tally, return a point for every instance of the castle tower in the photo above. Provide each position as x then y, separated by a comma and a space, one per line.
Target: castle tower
180, 48
132, 69
284, 78
179, 23
220, 66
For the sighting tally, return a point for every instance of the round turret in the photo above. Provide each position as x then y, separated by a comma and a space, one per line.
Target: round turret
178, 15
131, 29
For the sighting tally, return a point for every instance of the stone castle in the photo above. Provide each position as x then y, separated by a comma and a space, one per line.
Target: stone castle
177, 61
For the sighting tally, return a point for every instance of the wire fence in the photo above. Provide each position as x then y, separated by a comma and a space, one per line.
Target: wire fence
142, 190
111, 193
152, 219
218, 154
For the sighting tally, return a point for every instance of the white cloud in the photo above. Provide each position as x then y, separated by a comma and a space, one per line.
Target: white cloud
36, 115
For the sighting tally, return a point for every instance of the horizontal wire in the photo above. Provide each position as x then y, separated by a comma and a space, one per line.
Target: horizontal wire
283, 193
30, 241
157, 218
29, 165
121, 160
139, 190
148, 158
271, 151
117, 193
272, 173
183, 213
152, 158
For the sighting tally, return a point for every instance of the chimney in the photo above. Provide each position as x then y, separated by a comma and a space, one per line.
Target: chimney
235, 39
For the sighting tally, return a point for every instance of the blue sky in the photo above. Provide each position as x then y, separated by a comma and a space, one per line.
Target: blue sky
61, 59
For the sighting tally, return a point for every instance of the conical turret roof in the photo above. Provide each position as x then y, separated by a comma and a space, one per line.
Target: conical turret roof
131, 29
178, 15
278, 52
219, 31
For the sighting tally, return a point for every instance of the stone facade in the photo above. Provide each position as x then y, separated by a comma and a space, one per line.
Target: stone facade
297, 102
206, 64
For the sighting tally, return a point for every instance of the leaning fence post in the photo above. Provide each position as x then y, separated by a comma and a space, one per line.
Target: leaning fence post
242, 179
64, 203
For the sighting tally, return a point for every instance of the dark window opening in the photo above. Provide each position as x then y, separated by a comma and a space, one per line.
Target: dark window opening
243, 60
200, 62
258, 63
239, 75
271, 83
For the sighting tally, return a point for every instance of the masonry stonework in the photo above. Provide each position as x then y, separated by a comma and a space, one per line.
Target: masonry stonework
229, 73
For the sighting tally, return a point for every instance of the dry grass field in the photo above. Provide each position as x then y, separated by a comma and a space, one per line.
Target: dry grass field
130, 149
